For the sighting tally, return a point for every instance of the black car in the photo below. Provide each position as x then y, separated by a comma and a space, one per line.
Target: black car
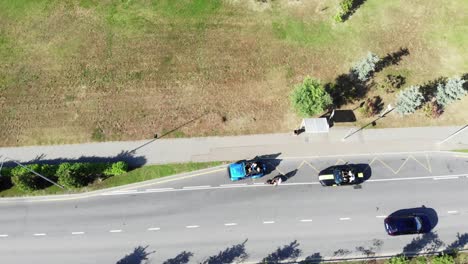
410, 224
341, 175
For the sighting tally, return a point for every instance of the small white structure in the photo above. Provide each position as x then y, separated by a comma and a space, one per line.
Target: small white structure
315, 125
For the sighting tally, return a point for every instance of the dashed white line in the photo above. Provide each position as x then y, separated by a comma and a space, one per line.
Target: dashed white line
233, 184
306, 220
345, 218
192, 226
230, 224
197, 187
77, 233
40, 234
268, 222
381, 216
3, 235
116, 231
154, 229
446, 178
452, 212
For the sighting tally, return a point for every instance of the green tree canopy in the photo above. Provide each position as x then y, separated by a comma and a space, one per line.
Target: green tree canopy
310, 98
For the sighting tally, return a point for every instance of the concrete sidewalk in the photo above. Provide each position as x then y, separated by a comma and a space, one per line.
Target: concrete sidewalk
159, 151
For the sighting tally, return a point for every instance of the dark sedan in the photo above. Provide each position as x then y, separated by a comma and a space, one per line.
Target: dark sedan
403, 225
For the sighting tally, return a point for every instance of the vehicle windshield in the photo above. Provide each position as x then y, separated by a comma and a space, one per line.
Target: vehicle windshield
418, 223
338, 177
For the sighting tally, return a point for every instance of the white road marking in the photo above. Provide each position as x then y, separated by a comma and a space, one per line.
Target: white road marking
192, 226
446, 178
40, 234
233, 184
115, 231
154, 229
306, 220
452, 212
230, 224
268, 222
124, 191
381, 216
159, 190
77, 233
259, 183
3, 235
345, 218
197, 187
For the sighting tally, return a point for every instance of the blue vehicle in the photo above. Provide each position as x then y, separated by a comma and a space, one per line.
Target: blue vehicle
246, 169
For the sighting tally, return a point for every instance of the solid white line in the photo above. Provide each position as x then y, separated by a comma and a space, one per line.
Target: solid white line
115, 231
381, 216
234, 184
154, 229
192, 226
446, 178
345, 218
3, 235
197, 187
268, 222
40, 234
259, 183
306, 220
230, 224
452, 212
124, 191
77, 233
368, 154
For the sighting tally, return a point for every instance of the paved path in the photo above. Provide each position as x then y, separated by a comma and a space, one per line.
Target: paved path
205, 214
240, 147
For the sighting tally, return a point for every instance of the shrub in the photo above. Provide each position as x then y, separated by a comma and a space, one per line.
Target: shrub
310, 98
409, 100
432, 109
451, 91
364, 68
346, 8
24, 179
443, 259
116, 168
397, 260
74, 175
372, 106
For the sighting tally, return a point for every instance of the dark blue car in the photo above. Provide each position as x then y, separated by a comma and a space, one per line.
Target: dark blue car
246, 169
411, 224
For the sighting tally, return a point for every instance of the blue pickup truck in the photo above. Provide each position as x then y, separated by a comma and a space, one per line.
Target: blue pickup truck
246, 169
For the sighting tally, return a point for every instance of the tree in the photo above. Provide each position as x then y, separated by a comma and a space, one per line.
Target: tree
310, 98
364, 68
443, 259
116, 168
451, 91
397, 260
24, 179
409, 100
74, 175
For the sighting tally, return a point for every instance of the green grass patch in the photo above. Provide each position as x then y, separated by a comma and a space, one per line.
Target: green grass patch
187, 9
461, 150
294, 30
138, 175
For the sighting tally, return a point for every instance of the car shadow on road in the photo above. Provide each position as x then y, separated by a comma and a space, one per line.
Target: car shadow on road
430, 213
138, 256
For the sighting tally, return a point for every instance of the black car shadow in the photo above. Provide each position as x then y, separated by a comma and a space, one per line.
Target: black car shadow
423, 210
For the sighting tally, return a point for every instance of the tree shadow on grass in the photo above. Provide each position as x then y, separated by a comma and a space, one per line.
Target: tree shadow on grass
428, 242
182, 258
138, 256
429, 89
355, 6
393, 58
229, 255
290, 251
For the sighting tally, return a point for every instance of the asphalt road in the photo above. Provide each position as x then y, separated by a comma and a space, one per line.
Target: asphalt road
205, 214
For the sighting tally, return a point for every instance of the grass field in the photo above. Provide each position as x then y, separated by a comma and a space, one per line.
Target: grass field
93, 70
138, 175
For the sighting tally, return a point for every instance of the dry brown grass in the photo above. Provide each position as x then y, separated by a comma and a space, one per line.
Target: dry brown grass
74, 71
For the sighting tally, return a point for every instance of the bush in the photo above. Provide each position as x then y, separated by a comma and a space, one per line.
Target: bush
397, 260
364, 68
346, 8
75, 175
116, 168
451, 91
310, 98
432, 109
409, 100
443, 259
25, 180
